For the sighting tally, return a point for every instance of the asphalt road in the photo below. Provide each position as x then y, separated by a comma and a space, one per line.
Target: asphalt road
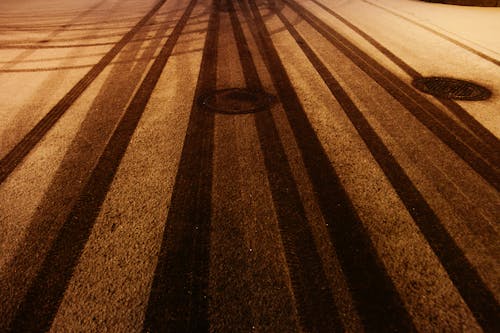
317, 191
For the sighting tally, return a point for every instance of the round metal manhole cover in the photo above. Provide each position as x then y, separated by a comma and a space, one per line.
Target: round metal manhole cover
450, 88
237, 101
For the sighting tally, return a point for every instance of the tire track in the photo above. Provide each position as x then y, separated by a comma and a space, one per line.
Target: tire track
178, 301
39, 307
64, 46
14, 157
87, 28
465, 147
117, 62
489, 140
314, 298
55, 12
464, 276
42, 46
15, 43
60, 29
54, 24
75, 167
377, 301
437, 33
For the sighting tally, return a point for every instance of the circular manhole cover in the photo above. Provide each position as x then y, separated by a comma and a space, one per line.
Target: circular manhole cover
450, 88
237, 101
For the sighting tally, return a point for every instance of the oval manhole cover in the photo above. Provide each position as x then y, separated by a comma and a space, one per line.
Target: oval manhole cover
237, 101
450, 88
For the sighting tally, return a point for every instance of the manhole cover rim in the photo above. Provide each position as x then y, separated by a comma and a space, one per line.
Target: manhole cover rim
480, 92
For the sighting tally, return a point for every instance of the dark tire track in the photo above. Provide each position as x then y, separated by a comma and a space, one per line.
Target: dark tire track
376, 298
178, 301
313, 294
463, 274
74, 169
418, 105
53, 33
437, 33
489, 141
14, 157
42, 300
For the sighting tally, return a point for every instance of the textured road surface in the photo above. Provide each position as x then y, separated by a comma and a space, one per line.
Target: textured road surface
352, 202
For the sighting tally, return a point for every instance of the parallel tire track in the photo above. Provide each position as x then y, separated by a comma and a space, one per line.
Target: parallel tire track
59, 29
45, 293
178, 301
465, 147
313, 294
179, 297
376, 298
13, 158
463, 274
446, 37
490, 143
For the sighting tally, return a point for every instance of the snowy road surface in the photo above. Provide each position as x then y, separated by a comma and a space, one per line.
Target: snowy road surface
247, 166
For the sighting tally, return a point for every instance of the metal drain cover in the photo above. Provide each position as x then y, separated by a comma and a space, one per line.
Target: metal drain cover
237, 101
450, 88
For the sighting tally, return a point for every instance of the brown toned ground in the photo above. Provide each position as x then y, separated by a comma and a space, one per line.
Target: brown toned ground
352, 202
